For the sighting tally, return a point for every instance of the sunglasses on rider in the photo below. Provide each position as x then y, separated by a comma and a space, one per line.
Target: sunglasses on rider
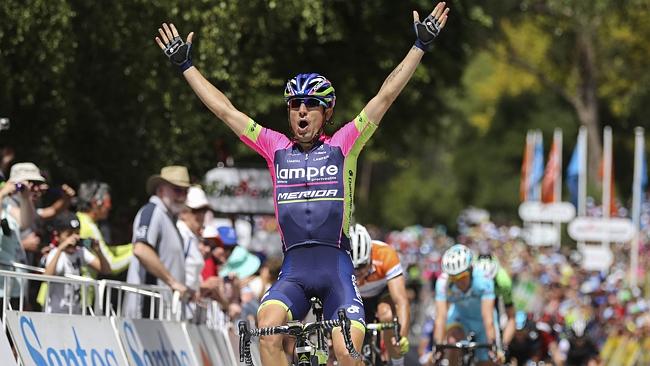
459, 276
308, 102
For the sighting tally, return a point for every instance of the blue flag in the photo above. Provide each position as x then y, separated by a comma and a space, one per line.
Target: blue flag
572, 174
537, 171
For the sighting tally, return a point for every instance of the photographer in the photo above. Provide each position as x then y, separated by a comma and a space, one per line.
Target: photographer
67, 258
94, 205
10, 248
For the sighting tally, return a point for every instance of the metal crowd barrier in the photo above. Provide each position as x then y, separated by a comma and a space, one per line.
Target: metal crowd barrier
168, 303
161, 297
202, 323
23, 277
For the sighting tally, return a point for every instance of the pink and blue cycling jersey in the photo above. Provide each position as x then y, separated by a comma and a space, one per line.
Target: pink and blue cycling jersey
313, 190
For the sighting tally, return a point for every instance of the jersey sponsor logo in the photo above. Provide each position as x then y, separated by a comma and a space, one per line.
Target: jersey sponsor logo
356, 288
311, 173
142, 231
353, 309
321, 193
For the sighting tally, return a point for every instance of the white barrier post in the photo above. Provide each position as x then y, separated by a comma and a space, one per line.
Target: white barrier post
639, 150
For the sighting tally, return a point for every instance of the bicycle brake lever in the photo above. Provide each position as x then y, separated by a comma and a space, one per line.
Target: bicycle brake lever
244, 339
347, 337
397, 328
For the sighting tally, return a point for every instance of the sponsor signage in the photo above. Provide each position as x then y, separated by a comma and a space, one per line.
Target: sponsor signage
154, 342
6, 355
596, 257
205, 348
233, 190
546, 212
598, 229
224, 344
540, 235
57, 339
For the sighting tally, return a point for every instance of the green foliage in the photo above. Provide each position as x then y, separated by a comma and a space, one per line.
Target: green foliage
90, 94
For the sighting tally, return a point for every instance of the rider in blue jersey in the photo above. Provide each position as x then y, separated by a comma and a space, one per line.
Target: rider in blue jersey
313, 177
464, 302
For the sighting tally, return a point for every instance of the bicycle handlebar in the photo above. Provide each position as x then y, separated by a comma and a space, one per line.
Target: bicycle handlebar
294, 330
395, 325
464, 346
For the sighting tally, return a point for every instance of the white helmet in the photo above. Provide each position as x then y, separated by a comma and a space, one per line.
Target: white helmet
456, 259
360, 243
488, 265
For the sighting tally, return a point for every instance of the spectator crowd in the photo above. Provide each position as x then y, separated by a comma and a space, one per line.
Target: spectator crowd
179, 242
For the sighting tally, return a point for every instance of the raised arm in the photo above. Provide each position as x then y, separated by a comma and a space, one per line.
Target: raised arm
397, 80
179, 53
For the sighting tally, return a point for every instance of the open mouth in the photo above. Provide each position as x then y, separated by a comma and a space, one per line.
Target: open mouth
303, 123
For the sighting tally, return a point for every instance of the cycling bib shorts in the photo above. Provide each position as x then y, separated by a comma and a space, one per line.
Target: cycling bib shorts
322, 271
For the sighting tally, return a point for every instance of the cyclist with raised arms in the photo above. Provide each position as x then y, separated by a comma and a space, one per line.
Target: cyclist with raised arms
464, 303
490, 266
313, 177
383, 288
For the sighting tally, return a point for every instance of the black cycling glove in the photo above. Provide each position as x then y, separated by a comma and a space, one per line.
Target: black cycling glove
426, 32
179, 53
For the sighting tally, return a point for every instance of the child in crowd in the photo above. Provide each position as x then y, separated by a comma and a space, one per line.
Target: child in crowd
69, 255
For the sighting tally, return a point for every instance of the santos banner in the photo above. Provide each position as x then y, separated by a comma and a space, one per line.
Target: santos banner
56, 339
6, 356
246, 191
154, 342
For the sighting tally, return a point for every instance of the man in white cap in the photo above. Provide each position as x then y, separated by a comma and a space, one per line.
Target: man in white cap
159, 257
190, 225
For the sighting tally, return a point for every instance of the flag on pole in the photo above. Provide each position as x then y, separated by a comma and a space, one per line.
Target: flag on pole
573, 173
551, 175
525, 168
537, 170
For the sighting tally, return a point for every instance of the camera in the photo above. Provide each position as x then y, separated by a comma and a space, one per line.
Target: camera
86, 242
4, 124
20, 187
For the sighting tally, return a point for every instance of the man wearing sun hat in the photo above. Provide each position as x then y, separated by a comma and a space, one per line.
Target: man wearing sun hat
159, 257
190, 226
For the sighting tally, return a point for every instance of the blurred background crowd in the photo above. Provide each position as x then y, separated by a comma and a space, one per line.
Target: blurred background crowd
233, 259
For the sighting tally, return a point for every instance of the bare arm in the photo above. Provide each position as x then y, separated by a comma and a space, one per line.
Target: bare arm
151, 262
99, 264
397, 80
212, 97
441, 322
26, 213
487, 313
509, 331
50, 268
397, 290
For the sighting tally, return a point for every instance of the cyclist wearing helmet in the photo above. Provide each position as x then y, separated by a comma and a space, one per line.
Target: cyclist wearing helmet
313, 176
464, 302
383, 288
490, 266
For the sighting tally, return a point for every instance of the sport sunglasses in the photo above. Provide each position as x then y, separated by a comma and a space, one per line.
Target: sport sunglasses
459, 276
309, 102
